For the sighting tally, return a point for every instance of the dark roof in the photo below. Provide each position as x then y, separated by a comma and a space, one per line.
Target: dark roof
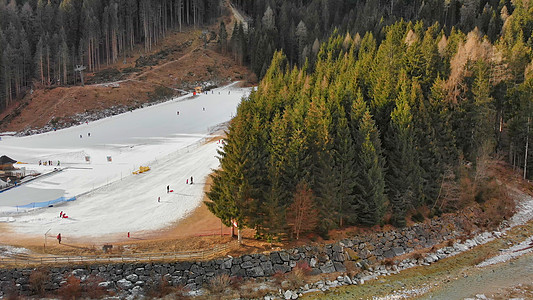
4, 160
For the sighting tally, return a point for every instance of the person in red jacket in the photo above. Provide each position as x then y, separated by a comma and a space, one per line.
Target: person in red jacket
59, 237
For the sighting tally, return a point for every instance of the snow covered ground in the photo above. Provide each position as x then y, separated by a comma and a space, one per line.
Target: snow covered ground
109, 199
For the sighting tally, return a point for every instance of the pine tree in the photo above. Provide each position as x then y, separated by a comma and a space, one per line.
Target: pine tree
403, 170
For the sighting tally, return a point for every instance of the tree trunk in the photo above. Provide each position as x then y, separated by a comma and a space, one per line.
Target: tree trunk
527, 144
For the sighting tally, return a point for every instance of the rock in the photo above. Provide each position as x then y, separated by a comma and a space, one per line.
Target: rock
275, 258
388, 254
227, 263
312, 262
481, 296
124, 284
132, 277
294, 295
328, 267
139, 283
287, 294
105, 284
347, 279
255, 272
398, 251
339, 267
460, 247
139, 271
284, 256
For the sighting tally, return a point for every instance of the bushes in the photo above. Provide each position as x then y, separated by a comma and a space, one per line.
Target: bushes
219, 284
71, 289
38, 280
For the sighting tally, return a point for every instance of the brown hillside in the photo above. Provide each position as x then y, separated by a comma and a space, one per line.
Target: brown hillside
179, 62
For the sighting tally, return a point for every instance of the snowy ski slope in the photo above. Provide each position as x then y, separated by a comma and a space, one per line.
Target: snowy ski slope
109, 199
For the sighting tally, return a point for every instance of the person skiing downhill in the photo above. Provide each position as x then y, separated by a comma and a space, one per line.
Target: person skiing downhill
168, 188
191, 179
59, 237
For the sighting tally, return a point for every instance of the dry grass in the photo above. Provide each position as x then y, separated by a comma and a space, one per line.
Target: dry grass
71, 289
219, 284
38, 280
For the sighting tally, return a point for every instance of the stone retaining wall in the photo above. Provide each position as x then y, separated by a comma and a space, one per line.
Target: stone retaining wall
361, 249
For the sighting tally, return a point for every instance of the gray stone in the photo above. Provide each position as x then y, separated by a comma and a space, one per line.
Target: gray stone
124, 284
247, 265
398, 251
227, 263
139, 283
105, 284
246, 258
281, 268
388, 254
132, 277
312, 262
328, 267
339, 267
267, 268
255, 272
287, 294
139, 271
275, 258
284, 256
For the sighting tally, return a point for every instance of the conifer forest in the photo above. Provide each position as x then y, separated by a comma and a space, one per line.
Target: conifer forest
393, 112
367, 112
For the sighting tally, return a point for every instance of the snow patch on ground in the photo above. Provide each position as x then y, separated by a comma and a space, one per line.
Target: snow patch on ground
8, 251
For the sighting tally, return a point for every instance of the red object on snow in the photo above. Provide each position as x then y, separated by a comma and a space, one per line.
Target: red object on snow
65, 216
171, 191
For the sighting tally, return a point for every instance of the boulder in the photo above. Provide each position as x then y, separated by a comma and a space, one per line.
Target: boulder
124, 284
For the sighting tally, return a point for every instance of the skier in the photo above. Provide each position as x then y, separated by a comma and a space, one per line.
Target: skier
191, 179
204, 108
58, 163
168, 188
178, 112
40, 162
80, 136
128, 234
159, 199
88, 134
187, 182
61, 214
59, 237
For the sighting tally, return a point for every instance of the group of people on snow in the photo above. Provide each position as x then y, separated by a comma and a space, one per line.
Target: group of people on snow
49, 163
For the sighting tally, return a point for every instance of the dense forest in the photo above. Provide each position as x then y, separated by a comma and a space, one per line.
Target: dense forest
42, 41
299, 27
378, 126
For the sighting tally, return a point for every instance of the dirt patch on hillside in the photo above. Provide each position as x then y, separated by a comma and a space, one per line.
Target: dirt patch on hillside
182, 63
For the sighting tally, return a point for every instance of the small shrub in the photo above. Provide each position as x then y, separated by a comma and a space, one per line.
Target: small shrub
297, 276
389, 262
91, 288
158, 289
219, 284
38, 280
418, 217
417, 256
236, 282
304, 267
71, 289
